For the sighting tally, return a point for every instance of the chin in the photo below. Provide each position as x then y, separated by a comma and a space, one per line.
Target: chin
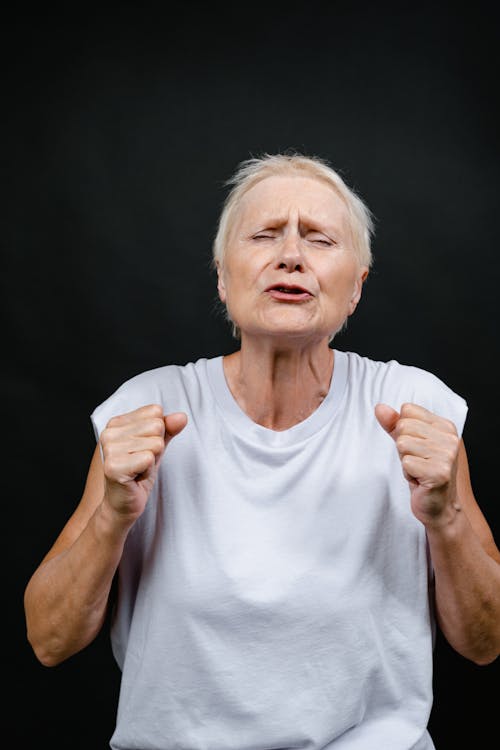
285, 328
289, 334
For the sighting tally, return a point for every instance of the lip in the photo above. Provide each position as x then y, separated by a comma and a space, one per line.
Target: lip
289, 292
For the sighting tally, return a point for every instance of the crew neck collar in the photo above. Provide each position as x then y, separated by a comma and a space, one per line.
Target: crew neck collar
250, 430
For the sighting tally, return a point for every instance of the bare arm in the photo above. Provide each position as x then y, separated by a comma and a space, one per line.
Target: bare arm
464, 555
466, 564
66, 598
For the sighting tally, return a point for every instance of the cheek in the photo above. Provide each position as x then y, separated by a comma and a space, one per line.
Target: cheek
338, 286
242, 276
336, 277
236, 288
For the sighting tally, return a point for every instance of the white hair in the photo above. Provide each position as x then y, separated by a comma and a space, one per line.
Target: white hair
254, 170
251, 171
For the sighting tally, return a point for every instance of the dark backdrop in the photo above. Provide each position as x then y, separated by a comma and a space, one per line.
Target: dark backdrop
120, 128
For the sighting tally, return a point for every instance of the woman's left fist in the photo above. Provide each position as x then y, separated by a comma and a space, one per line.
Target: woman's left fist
428, 449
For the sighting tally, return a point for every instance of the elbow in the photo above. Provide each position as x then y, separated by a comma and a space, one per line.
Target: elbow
481, 653
477, 641
46, 653
483, 660
48, 643
46, 659
53, 647
44, 646
487, 647
45, 637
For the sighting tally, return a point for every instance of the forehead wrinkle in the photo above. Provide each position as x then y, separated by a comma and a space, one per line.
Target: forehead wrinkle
316, 223
267, 211
297, 204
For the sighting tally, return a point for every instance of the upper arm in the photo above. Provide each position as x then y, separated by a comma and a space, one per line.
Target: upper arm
92, 496
471, 508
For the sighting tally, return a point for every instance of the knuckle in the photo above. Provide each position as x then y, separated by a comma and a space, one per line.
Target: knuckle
157, 444
149, 458
110, 467
157, 427
106, 435
153, 410
406, 461
450, 425
406, 409
401, 443
403, 424
442, 477
443, 470
450, 460
109, 448
450, 449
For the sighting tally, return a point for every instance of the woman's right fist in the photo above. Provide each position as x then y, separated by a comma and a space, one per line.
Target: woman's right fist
132, 446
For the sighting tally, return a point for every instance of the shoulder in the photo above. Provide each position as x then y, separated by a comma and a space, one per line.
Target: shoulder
169, 385
391, 373
395, 383
156, 378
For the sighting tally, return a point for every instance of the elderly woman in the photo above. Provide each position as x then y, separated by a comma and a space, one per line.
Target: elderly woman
285, 522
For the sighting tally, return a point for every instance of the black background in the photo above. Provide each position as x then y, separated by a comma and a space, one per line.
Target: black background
120, 127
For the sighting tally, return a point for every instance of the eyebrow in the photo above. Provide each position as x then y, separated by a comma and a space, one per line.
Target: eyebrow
314, 225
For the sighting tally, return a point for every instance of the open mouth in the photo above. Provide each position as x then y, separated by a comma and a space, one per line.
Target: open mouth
289, 290
292, 292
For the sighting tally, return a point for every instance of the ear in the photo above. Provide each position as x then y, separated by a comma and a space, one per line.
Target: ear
358, 288
220, 282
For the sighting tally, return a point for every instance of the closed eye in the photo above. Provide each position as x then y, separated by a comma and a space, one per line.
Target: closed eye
263, 236
319, 239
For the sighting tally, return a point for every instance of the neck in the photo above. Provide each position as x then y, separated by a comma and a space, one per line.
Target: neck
279, 386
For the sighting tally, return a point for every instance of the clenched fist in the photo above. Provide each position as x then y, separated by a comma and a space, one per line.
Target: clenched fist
132, 446
428, 448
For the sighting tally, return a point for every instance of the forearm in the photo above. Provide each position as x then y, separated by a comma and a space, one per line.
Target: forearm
66, 598
467, 583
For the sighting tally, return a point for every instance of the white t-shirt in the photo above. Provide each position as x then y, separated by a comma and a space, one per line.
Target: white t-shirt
275, 592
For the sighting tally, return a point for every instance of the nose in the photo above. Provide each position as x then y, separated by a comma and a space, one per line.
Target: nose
290, 257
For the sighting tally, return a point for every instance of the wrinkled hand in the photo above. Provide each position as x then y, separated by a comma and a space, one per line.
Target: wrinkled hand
132, 446
428, 448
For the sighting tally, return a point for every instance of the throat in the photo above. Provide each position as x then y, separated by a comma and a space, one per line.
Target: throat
275, 418
278, 398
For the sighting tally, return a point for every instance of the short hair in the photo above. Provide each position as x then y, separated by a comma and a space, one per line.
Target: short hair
251, 171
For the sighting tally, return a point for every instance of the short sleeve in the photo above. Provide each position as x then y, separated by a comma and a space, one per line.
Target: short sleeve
450, 405
438, 397
161, 385
400, 383
134, 393
113, 406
